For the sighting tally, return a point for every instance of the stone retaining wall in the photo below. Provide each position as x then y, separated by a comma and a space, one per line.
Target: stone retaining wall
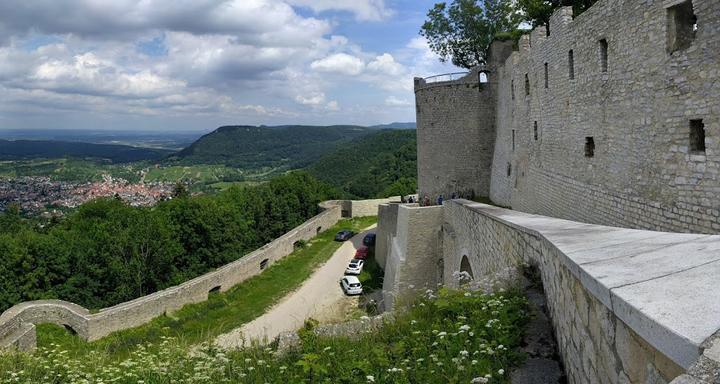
627, 306
17, 323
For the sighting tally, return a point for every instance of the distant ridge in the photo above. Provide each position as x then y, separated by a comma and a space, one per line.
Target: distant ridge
35, 149
279, 147
395, 126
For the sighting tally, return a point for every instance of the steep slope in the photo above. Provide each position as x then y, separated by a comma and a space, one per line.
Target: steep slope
380, 164
284, 147
33, 149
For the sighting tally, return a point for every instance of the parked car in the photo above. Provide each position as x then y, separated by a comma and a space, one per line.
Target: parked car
369, 240
362, 253
344, 235
355, 267
351, 285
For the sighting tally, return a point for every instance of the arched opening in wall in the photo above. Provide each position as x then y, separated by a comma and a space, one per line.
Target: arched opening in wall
298, 245
465, 266
318, 230
603, 55
214, 290
70, 329
482, 77
264, 264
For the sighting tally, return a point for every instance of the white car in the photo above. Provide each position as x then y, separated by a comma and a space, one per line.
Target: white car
351, 285
355, 267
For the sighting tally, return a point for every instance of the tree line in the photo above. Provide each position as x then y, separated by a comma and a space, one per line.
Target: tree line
107, 252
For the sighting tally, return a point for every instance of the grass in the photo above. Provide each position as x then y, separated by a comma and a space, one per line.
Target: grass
221, 313
446, 337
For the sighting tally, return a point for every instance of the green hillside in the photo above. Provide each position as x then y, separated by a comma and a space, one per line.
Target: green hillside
277, 148
380, 164
50, 149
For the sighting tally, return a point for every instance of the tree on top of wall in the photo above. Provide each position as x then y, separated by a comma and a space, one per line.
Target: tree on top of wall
462, 31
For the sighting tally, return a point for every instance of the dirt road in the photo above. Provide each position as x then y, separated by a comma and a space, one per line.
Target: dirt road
320, 297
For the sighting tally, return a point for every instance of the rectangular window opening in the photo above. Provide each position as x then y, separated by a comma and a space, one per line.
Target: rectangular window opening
682, 25
509, 169
546, 75
697, 136
535, 130
571, 65
513, 140
603, 55
512, 89
527, 85
589, 146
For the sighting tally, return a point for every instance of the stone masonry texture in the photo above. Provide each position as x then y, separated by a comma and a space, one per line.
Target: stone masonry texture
634, 101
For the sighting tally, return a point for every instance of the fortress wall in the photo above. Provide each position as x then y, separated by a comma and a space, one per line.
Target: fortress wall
386, 230
359, 208
413, 253
623, 308
455, 136
644, 173
17, 323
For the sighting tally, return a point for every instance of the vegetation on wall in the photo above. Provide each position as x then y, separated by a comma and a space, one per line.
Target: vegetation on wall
107, 252
381, 164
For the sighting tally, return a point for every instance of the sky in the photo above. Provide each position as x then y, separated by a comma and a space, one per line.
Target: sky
182, 65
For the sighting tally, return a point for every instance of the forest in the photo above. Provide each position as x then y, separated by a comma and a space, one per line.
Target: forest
380, 164
107, 252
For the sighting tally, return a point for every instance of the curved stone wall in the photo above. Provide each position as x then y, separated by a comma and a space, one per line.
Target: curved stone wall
17, 323
456, 131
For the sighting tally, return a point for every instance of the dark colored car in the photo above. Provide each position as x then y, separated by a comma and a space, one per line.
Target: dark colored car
344, 235
362, 253
369, 240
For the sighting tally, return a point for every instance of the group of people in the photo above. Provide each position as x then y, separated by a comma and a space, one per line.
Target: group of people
426, 201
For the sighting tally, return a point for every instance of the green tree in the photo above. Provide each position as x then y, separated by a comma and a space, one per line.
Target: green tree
538, 12
462, 32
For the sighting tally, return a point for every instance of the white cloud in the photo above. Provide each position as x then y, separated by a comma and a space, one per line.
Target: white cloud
392, 101
313, 99
364, 10
341, 63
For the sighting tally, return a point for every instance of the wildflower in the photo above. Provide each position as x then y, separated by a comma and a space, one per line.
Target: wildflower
501, 372
479, 380
370, 378
464, 328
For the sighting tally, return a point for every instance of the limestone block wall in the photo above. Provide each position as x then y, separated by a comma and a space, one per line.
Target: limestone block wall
386, 231
598, 121
411, 262
455, 136
17, 323
625, 307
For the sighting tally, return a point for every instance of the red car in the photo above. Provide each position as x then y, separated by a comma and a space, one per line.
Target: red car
362, 253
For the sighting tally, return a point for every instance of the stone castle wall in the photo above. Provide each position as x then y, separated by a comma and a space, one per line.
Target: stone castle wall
635, 100
17, 323
455, 149
624, 307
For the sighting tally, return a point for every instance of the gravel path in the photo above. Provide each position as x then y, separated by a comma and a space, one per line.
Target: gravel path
320, 297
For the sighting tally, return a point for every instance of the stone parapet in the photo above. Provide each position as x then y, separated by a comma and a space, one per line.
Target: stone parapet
627, 305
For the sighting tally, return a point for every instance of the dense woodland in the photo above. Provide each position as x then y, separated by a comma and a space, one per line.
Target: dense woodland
377, 165
282, 147
107, 252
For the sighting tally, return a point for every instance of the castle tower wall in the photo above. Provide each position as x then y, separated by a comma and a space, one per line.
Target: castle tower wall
456, 132
613, 137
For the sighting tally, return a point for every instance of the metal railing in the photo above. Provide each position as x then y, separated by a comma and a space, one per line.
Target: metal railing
446, 77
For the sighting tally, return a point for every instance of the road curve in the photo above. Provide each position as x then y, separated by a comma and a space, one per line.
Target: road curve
319, 297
